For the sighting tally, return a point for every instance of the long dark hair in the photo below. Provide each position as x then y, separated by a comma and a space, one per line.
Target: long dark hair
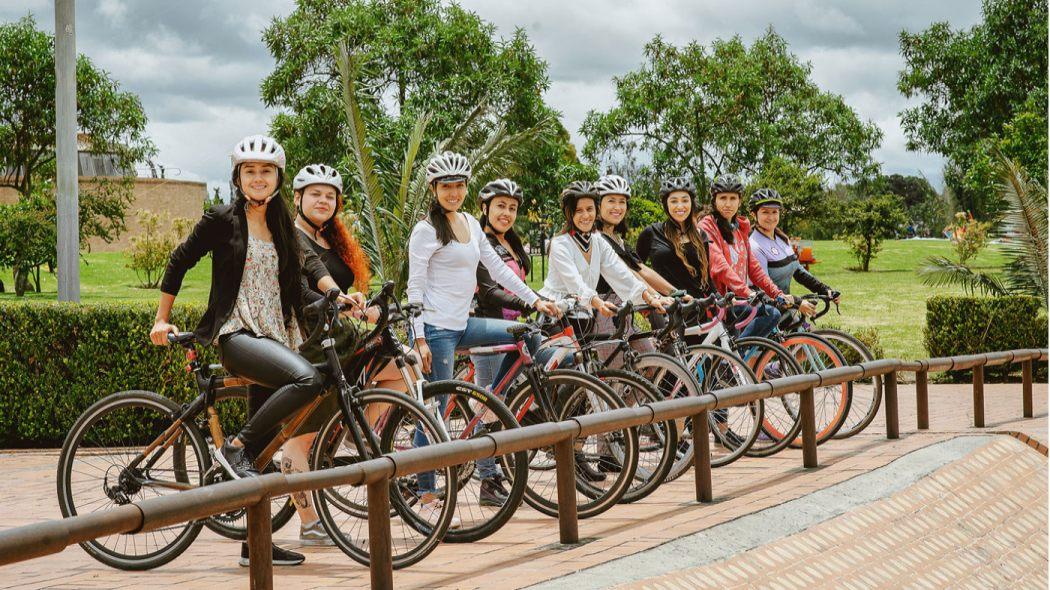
674, 232
285, 241
512, 238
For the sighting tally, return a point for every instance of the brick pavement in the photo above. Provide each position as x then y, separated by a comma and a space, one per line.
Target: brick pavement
526, 550
979, 522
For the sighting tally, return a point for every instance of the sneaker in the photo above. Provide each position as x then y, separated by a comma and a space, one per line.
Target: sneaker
608, 464
280, 556
314, 535
430, 508
235, 461
492, 493
586, 470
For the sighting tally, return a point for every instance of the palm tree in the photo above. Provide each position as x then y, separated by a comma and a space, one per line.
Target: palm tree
1024, 229
396, 196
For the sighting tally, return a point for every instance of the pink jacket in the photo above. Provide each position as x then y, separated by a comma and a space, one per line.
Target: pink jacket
732, 265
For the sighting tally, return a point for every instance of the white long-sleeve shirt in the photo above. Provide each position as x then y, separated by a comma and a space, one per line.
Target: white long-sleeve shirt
443, 277
571, 275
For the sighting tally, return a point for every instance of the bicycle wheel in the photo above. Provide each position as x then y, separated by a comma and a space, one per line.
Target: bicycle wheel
95, 472
657, 442
576, 394
867, 393
473, 412
672, 380
232, 405
831, 402
733, 429
780, 416
416, 526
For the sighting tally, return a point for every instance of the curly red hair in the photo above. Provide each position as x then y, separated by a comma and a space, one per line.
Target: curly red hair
349, 249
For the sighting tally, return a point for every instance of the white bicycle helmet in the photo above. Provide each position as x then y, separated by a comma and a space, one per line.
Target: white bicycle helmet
448, 166
501, 187
318, 174
258, 148
611, 184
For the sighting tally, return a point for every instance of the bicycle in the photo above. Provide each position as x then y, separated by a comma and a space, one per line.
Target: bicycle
134, 444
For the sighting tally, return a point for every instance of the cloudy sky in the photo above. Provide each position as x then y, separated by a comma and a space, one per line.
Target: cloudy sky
197, 64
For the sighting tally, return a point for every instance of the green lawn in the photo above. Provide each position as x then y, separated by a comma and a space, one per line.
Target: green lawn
890, 297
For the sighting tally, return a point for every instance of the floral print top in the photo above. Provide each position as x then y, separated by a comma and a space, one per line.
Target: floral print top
258, 306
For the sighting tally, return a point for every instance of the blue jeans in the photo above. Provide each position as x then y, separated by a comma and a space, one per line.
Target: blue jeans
767, 319
443, 345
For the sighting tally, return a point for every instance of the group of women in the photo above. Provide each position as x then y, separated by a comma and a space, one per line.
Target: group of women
268, 262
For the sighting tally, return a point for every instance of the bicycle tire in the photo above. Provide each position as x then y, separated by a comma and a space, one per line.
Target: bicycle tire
734, 435
781, 421
832, 402
180, 466
570, 388
870, 396
655, 459
477, 522
413, 538
673, 380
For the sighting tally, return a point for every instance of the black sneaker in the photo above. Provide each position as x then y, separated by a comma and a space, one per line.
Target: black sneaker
492, 493
607, 464
280, 556
586, 470
235, 461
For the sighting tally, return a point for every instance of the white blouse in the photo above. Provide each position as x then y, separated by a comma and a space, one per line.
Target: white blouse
444, 277
571, 275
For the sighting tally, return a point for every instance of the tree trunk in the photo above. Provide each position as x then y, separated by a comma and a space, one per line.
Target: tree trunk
21, 281
36, 278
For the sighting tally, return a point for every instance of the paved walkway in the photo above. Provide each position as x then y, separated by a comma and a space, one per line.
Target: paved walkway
526, 552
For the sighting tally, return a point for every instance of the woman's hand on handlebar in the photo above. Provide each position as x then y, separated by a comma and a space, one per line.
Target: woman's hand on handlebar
657, 301
370, 315
549, 308
356, 301
158, 334
425, 357
603, 307
807, 307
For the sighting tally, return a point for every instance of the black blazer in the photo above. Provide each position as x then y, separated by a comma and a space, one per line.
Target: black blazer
223, 231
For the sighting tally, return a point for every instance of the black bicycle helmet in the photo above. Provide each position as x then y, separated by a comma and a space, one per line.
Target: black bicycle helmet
727, 183
765, 196
677, 183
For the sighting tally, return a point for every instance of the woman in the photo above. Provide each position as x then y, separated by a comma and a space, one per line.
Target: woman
318, 198
614, 197
255, 303
499, 202
444, 251
773, 251
732, 265
578, 261
675, 247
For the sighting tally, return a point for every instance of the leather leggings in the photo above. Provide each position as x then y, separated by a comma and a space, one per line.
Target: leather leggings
286, 383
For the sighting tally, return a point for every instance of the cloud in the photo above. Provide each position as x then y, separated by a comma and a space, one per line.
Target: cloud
197, 64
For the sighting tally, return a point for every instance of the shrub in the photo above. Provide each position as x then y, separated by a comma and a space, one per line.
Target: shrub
867, 222
971, 325
149, 251
56, 359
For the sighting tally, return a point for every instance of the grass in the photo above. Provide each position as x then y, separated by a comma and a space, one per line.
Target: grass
890, 297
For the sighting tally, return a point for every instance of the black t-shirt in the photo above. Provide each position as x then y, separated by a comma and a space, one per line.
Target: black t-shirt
339, 271
626, 254
654, 247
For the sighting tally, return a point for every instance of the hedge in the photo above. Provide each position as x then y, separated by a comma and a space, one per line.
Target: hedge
56, 359
970, 325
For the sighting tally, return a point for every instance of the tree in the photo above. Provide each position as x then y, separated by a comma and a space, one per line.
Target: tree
983, 89
730, 108
395, 193
418, 58
112, 118
149, 250
867, 222
927, 210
